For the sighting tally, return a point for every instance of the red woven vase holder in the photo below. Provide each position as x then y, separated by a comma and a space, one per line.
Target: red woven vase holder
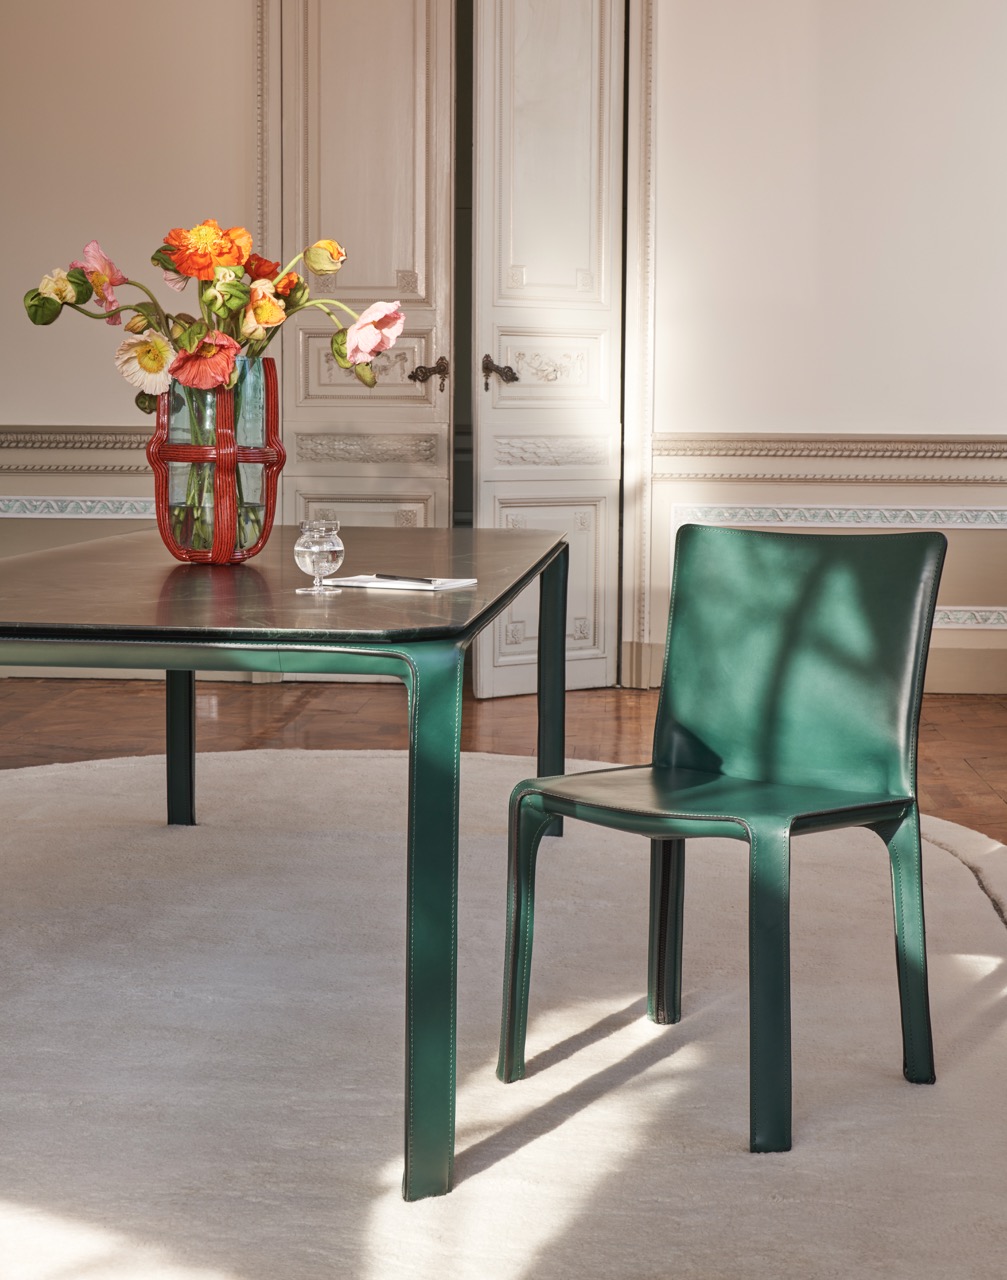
225, 454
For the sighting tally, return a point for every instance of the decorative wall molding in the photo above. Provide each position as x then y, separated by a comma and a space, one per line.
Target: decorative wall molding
568, 368
923, 459
830, 477
77, 508
970, 619
366, 449
723, 446
813, 516
73, 469
15, 438
550, 451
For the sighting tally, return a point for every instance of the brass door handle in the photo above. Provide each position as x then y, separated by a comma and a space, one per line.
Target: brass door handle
424, 371
504, 372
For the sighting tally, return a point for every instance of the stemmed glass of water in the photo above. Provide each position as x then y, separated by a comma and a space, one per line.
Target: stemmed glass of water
319, 552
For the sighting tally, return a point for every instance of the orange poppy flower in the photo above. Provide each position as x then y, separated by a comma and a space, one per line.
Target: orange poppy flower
285, 283
261, 268
198, 251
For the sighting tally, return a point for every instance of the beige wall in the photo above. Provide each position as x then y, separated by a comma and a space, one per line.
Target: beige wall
817, 266
115, 129
829, 230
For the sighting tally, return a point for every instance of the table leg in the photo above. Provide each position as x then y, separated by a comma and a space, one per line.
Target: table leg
435, 715
552, 673
180, 734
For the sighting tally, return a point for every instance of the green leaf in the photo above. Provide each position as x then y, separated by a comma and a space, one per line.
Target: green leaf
41, 309
338, 345
366, 374
190, 337
81, 285
227, 298
163, 259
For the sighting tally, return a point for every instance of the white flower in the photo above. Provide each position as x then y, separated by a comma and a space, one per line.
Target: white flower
143, 360
57, 286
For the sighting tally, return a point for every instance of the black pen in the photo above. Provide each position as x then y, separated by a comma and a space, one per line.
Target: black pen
395, 577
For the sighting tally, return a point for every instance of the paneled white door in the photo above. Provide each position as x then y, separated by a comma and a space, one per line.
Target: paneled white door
367, 103
548, 313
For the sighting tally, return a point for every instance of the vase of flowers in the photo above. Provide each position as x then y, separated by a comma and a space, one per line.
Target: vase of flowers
216, 451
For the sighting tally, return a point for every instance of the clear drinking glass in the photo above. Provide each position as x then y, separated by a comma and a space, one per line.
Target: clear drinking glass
319, 552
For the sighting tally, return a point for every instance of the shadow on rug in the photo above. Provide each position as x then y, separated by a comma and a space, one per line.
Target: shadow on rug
201, 1047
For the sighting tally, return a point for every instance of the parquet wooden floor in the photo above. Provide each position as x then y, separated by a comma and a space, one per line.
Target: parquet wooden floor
963, 738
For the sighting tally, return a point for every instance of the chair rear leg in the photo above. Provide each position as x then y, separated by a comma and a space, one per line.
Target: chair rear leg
667, 895
905, 852
529, 821
769, 989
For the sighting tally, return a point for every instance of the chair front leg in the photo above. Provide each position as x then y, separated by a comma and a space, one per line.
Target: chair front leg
529, 821
667, 895
902, 836
769, 988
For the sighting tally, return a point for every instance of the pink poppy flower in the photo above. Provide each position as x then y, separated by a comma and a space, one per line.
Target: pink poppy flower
376, 330
210, 365
103, 275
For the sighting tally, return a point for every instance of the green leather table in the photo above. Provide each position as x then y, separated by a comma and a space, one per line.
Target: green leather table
122, 602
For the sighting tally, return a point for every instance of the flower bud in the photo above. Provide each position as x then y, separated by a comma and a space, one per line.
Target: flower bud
298, 295
325, 257
137, 324
41, 308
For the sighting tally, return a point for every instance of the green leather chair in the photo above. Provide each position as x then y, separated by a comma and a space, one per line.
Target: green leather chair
790, 703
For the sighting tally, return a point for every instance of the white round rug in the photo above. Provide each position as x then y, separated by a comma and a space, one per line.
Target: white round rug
201, 1046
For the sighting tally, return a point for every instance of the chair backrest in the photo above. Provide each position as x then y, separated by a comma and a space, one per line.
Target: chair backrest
798, 658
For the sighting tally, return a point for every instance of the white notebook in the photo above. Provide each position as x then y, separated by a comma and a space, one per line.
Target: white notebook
377, 583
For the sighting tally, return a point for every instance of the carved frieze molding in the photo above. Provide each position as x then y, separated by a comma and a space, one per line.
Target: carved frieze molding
366, 449
13, 438
550, 451
837, 516
77, 508
23, 452
834, 477
73, 469
922, 460
992, 447
967, 618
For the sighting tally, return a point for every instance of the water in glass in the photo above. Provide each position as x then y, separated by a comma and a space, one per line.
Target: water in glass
319, 552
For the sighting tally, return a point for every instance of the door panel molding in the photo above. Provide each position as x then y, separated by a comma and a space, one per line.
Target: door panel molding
548, 305
368, 133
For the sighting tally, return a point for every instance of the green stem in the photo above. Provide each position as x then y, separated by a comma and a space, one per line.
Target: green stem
290, 265
160, 310
99, 315
324, 304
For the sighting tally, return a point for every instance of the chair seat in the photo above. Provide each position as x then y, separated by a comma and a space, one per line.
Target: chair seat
648, 799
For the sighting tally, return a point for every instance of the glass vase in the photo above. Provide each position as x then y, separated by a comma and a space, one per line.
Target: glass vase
216, 457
